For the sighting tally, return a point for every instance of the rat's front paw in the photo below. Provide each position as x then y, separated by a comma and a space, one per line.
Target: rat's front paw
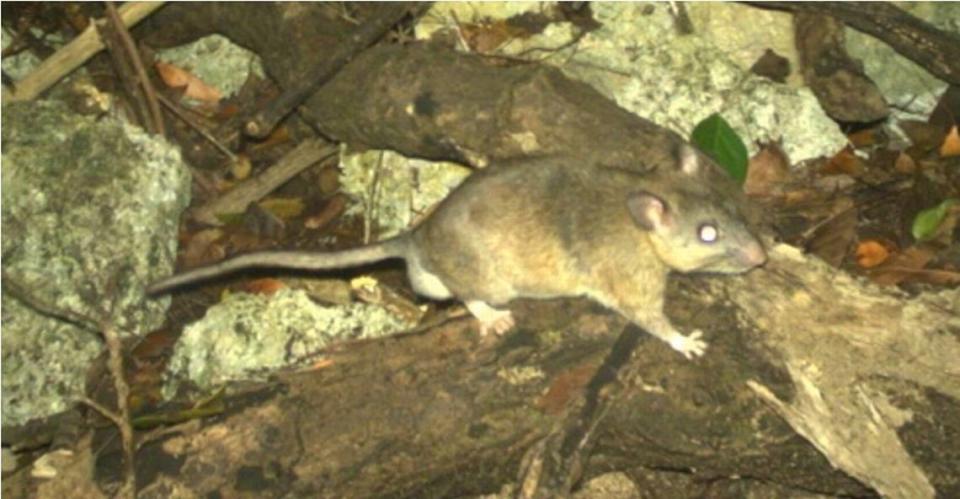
500, 325
491, 319
690, 346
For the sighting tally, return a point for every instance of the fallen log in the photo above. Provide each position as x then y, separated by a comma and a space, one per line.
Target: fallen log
815, 380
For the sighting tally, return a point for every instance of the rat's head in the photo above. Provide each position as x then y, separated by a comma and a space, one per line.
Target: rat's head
692, 224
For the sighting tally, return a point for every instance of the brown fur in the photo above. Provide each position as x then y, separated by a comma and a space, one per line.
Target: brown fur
550, 227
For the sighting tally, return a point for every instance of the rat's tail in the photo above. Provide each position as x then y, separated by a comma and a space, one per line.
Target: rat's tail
299, 260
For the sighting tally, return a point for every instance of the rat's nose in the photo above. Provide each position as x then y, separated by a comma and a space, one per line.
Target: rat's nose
753, 254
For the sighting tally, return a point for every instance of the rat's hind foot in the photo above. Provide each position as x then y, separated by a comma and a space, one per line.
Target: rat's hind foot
491, 319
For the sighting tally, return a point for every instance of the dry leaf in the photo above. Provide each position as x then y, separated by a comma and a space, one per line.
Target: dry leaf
244, 241
329, 213
901, 266
265, 286
240, 167
489, 36
924, 136
154, 345
329, 180
832, 239
227, 111
322, 363
845, 161
909, 266
864, 138
951, 144
871, 253
193, 87
280, 135
944, 114
283, 208
941, 277
768, 168
799, 196
564, 387
905, 164
202, 248
172, 76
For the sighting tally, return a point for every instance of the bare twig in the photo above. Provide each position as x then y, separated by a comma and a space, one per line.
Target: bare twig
20, 292
197, 128
156, 119
75, 53
305, 155
115, 363
103, 410
373, 200
162, 431
124, 71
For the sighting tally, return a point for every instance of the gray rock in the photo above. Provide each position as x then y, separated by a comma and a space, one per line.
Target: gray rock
248, 336
90, 213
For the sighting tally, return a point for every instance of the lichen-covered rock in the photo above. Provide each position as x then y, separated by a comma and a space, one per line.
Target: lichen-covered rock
90, 213
248, 336
637, 58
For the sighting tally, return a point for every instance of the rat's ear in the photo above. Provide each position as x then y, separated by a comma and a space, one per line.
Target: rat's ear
648, 211
688, 160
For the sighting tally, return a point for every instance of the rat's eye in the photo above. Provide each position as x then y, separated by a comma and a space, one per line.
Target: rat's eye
708, 233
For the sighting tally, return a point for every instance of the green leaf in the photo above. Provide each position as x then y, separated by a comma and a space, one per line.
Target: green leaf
716, 139
926, 222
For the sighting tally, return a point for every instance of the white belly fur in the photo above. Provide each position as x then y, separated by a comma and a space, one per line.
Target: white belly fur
425, 283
